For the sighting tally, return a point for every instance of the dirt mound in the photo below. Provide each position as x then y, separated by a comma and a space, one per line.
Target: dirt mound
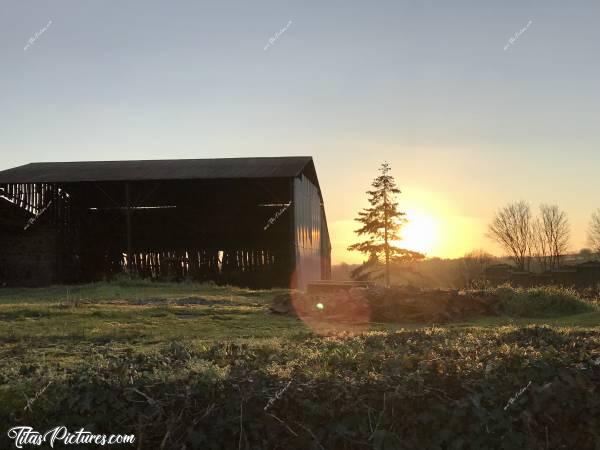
396, 304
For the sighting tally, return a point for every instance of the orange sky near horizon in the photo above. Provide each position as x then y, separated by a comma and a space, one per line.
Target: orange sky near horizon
449, 236
434, 227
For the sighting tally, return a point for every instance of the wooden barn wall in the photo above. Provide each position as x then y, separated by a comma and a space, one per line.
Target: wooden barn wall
33, 225
257, 233
325, 248
312, 254
29, 258
196, 229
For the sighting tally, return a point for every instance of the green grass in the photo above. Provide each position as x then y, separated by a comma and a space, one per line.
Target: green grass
61, 323
191, 346
124, 290
588, 321
64, 321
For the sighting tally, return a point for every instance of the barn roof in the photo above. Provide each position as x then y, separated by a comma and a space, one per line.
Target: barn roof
171, 169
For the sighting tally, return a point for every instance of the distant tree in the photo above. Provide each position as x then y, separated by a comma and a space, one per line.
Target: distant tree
381, 224
594, 231
551, 234
473, 266
341, 271
512, 229
586, 253
555, 227
368, 270
541, 246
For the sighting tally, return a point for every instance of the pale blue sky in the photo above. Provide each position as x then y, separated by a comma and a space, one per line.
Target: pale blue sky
427, 85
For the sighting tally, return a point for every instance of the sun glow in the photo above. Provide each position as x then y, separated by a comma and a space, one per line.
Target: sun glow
420, 233
434, 227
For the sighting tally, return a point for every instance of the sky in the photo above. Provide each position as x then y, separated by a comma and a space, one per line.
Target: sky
473, 103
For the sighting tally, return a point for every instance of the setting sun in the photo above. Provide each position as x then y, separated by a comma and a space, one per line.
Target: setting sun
419, 233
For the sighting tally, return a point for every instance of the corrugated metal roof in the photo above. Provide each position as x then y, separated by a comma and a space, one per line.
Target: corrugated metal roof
173, 169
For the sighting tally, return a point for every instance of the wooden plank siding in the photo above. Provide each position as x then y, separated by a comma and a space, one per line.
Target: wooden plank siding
168, 229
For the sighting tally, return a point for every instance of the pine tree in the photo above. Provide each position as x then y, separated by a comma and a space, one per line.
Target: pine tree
381, 224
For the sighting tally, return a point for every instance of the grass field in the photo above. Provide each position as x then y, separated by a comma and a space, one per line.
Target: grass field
62, 320
61, 323
201, 343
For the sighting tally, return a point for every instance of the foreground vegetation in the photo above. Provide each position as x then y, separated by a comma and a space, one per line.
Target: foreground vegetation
208, 367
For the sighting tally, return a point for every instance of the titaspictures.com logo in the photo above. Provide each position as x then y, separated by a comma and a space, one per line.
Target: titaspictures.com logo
24, 435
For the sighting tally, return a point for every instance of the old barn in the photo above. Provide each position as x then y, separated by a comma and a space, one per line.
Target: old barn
257, 222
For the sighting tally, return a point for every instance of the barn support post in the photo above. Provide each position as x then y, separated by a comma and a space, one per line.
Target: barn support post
129, 232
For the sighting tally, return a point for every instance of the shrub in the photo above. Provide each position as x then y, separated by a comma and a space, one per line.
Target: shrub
546, 301
438, 388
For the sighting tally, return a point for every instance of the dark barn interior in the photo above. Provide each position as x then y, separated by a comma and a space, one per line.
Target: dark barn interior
256, 222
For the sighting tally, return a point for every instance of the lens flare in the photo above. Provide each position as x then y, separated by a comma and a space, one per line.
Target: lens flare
333, 312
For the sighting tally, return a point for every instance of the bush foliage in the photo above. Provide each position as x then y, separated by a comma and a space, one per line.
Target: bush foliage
431, 388
546, 301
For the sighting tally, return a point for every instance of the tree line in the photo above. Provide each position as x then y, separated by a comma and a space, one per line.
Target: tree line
544, 237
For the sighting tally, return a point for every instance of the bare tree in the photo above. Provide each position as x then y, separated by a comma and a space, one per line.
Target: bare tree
541, 247
512, 229
556, 230
594, 231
